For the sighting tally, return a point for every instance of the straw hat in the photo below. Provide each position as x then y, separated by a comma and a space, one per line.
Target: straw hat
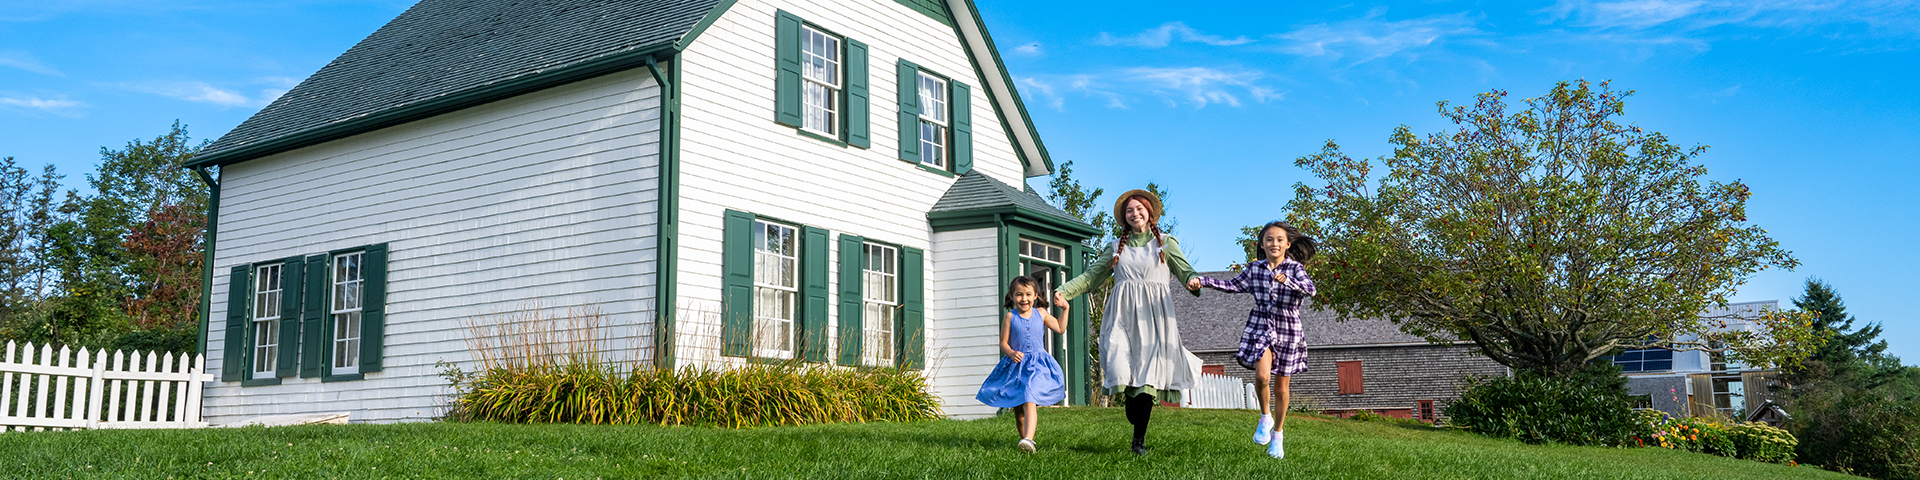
1120, 205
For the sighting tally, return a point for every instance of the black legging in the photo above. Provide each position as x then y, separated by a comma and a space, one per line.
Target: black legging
1139, 411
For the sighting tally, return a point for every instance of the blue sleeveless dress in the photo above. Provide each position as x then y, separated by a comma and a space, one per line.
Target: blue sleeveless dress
1035, 379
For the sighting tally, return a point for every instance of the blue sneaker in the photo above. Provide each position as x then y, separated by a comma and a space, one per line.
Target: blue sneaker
1264, 432
1274, 448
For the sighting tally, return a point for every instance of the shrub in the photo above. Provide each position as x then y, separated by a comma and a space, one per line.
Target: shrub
1539, 409
1857, 431
1758, 441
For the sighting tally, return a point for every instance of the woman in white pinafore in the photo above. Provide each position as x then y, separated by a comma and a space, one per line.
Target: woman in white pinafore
1140, 349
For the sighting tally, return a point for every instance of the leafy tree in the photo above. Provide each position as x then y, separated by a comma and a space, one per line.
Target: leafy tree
1550, 236
124, 261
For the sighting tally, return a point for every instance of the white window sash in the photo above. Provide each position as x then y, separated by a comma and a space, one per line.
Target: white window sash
773, 334
348, 292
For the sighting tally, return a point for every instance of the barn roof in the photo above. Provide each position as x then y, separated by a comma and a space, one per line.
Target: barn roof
1213, 322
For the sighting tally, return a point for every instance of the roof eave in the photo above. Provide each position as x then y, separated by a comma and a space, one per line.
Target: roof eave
633, 58
973, 31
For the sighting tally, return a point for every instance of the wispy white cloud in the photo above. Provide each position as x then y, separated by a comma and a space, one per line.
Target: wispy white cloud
1373, 37
1040, 89
1030, 50
26, 61
1197, 87
1166, 34
60, 105
1201, 86
1834, 19
202, 92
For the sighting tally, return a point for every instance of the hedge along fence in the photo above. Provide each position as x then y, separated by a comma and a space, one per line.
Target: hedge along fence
537, 366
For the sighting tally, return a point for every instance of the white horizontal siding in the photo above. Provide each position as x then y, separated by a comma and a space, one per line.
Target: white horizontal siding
546, 199
733, 155
963, 318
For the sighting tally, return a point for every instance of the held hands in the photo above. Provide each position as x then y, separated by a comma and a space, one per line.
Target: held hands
1193, 284
1059, 300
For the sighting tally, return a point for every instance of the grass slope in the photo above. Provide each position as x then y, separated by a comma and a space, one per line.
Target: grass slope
1074, 442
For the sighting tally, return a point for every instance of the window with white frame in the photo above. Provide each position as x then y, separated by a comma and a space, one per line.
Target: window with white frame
349, 285
820, 67
266, 319
1044, 262
881, 293
776, 276
934, 123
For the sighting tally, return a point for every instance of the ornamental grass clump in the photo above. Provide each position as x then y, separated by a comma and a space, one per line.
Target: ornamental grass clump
535, 367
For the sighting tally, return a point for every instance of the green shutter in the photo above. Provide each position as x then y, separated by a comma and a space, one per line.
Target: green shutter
315, 331
813, 289
291, 275
962, 128
909, 111
852, 309
736, 298
912, 331
373, 308
859, 131
786, 84
233, 363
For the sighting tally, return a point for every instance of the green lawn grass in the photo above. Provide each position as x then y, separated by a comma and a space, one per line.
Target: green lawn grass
1074, 443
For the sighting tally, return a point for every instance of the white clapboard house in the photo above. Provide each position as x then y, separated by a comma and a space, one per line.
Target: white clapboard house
839, 182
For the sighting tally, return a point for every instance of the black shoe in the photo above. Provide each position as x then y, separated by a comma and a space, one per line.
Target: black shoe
1139, 447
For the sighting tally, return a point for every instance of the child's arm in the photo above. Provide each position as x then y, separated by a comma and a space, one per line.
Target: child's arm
1300, 281
1006, 334
1238, 284
1058, 324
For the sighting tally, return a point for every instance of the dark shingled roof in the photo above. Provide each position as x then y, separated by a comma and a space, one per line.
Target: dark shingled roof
441, 48
1213, 322
974, 191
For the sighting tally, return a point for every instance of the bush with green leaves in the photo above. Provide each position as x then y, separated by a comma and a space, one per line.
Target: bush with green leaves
1758, 441
1541, 409
1857, 431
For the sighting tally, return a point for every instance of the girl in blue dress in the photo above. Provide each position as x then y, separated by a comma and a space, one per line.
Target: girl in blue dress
1027, 376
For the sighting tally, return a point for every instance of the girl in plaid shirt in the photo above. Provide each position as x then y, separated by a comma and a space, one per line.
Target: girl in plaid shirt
1272, 343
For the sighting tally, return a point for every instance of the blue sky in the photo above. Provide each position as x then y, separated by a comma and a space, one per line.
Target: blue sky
1815, 105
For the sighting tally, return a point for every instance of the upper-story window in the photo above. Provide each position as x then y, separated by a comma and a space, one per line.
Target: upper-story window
934, 123
1646, 360
267, 294
820, 62
776, 288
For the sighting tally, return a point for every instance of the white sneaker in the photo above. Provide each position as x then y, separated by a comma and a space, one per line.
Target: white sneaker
1274, 448
1026, 445
1264, 432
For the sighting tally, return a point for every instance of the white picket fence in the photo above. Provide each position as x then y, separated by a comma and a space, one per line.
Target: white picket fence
1219, 391
73, 390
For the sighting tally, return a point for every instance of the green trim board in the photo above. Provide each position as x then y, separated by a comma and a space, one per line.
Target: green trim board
961, 220
630, 59
667, 231
699, 28
206, 260
935, 9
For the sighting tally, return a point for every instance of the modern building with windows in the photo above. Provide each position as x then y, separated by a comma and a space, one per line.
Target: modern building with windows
729, 181
1699, 383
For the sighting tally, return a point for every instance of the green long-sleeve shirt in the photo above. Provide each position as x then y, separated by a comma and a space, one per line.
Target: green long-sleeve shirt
1102, 269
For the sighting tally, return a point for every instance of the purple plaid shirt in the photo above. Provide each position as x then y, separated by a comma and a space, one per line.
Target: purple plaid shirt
1272, 299
1274, 323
